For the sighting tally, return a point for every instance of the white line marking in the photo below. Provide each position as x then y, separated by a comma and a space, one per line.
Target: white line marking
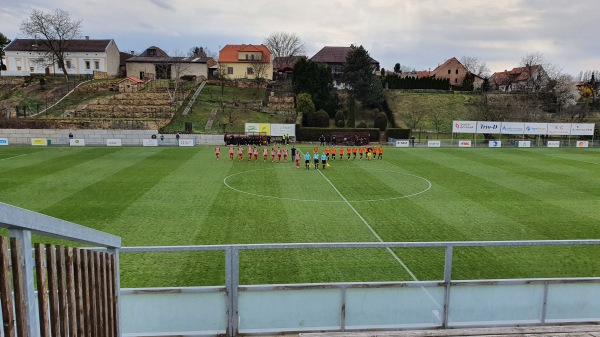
331, 201
396, 257
21, 155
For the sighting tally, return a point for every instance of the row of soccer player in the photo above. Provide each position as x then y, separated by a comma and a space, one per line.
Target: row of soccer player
351, 152
363, 151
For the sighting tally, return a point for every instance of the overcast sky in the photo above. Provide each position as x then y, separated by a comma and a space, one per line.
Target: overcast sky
417, 33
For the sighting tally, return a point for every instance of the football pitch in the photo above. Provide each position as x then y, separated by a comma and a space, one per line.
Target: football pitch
183, 196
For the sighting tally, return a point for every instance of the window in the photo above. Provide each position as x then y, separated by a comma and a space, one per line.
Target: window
19, 68
151, 52
252, 57
87, 65
31, 68
449, 71
457, 71
97, 65
250, 71
230, 70
246, 56
456, 80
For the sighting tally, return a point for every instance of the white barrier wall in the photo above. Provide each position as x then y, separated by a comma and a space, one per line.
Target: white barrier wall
100, 137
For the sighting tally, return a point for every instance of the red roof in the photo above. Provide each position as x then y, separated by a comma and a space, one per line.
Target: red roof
132, 79
519, 74
230, 53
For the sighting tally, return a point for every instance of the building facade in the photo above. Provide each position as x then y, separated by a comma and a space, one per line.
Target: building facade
154, 63
25, 57
246, 61
454, 71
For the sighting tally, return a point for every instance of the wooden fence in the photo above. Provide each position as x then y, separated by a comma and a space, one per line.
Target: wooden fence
76, 288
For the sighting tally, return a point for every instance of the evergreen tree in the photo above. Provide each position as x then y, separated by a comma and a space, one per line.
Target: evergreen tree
397, 68
467, 84
315, 79
360, 78
351, 120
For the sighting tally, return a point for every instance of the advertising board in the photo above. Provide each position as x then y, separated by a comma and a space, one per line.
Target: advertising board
579, 129
554, 143
559, 129
536, 128
39, 141
464, 126
488, 127
77, 142
434, 143
3, 141
402, 143
150, 142
186, 142
464, 143
113, 142
495, 143
582, 143
524, 143
511, 128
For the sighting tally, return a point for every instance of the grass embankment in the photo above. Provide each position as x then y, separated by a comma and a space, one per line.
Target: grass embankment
241, 106
178, 196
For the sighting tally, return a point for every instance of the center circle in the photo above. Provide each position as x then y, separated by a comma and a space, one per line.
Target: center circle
418, 185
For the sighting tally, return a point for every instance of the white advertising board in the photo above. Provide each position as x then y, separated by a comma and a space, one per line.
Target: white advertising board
150, 142
559, 129
77, 142
511, 128
251, 127
464, 126
488, 127
578, 129
554, 143
495, 143
536, 128
524, 143
283, 129
464, 143
582, 143
434, 143
113, 142
3, 141
186, 142
402, 143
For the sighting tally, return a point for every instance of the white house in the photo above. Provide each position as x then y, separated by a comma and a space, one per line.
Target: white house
28, 56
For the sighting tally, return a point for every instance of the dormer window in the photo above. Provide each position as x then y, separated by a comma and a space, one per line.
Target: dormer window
151, 52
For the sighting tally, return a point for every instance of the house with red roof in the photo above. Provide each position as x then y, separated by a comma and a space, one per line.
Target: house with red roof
246, 61
82, 57
454, 71
527, 78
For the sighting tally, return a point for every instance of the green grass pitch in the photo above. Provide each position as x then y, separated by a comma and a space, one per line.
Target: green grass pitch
183, 196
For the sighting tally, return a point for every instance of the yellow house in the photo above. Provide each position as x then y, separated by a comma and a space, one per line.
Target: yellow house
246, 61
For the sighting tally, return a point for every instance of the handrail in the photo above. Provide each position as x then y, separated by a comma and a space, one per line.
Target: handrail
12, 217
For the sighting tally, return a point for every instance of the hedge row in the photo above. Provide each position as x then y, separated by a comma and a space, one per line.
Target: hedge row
398, 133
304, 134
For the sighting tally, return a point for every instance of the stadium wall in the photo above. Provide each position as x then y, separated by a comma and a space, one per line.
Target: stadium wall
99, 137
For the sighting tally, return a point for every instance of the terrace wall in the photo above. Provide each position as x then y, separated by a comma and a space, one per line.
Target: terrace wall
99, 137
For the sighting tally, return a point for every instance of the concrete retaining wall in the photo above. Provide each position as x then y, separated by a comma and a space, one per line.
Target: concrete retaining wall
99, 137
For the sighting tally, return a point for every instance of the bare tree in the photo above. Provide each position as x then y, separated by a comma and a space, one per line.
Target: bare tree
475, 66
259, 70
54, 31
222, 76
413, 118
285, 46
172, 69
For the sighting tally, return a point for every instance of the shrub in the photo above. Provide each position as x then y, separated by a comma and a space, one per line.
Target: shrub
362, 125
381, 121
320, 119
339, 116
340, 123
398, 133
304, 103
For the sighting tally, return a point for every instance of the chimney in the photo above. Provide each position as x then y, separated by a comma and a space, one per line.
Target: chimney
87, 37
132, 52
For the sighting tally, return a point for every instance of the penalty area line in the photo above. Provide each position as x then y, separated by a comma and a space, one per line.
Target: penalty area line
21, 155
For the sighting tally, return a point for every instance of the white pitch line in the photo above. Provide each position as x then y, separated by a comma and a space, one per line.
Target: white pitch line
379, 238
21, 155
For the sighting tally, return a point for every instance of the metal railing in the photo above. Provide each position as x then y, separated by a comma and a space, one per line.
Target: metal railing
343, 313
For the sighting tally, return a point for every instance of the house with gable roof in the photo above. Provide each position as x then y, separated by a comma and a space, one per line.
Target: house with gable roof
246, 61
519, 79
335, 58
454, 71
25, 57
155, 63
